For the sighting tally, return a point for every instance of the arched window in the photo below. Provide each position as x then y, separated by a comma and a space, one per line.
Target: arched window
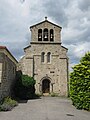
40, 35
45, 34
51, 35
42, 57
48, 57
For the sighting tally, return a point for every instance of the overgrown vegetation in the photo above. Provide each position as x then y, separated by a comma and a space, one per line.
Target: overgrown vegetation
24, 88
54, 94
80, 83
7, 104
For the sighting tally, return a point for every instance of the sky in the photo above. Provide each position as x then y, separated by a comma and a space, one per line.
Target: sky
16, 16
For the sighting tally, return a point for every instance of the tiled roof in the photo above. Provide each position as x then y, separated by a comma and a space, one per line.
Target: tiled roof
3, 47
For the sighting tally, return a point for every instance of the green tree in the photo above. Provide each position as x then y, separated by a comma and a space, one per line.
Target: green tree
80, 83
27, 80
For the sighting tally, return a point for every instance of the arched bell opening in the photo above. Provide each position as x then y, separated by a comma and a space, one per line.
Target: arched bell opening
40, 35
51, 35
45, 34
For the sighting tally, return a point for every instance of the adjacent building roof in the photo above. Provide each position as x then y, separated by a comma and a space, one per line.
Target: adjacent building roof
46, 21
27, 47
64, 47
5, 48
2, 47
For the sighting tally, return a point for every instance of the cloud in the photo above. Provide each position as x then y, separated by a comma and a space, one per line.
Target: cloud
81, 49
22, 1
76, 35
56, 11
84, 5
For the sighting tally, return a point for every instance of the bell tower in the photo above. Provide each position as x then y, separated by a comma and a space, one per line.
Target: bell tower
45, 32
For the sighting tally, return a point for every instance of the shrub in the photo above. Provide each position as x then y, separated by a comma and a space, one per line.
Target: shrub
7, 104
80, 83
24, 88
5, 107
27, 81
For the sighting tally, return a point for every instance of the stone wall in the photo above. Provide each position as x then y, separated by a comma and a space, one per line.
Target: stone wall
8, 74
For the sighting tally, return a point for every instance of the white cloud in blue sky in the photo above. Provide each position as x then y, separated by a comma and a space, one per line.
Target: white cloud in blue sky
16, 16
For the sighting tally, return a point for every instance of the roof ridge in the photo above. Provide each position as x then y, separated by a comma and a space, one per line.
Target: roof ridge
46, 21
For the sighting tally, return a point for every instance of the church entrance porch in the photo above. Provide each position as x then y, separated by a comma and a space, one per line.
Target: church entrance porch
45, 86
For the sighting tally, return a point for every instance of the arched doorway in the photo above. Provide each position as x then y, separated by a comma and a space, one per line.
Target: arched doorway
46, 86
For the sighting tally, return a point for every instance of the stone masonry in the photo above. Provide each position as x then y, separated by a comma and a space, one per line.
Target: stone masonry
8, 66
46, 59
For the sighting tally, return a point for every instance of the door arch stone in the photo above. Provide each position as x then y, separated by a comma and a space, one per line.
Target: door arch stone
46, 86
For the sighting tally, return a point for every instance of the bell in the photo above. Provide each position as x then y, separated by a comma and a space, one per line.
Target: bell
40, 36
45, 36
51, 36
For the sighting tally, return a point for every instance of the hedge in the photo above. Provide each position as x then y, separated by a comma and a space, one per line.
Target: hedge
80, 83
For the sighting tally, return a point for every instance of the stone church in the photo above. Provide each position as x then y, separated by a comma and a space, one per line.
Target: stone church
46, 59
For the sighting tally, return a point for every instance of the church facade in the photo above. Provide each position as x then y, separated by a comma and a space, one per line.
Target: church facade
46, 59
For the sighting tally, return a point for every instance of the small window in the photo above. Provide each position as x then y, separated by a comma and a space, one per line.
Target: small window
42, 57
40, 35
48, 57
51, 35
45, 34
